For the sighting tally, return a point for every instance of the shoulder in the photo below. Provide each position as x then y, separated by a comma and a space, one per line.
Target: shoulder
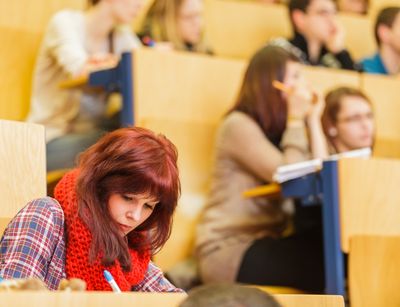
67, 20
126, 39
47, 209
238, 120
372, 64
238, 128
67, 16
289, 47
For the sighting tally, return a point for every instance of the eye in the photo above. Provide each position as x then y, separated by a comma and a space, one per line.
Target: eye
126, 197
150, 206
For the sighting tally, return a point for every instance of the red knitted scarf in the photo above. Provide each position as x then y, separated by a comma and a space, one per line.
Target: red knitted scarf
78, 244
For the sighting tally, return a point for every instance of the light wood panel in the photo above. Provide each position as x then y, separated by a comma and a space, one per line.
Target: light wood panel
384, 93
182, 86
376, 5
195, 143
374, 271
22, 165
106, 299
238, 29
89, 299
369, 198
296, 300
359, 35
17, 58
325, 79
33, 16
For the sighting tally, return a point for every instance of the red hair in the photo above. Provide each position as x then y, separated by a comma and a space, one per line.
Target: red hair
127, 161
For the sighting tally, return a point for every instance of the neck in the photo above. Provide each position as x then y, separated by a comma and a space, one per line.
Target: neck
340, 147
99, 21
390, 59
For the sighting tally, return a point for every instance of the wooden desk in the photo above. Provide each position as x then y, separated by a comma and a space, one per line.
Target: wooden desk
107, 299
90, 299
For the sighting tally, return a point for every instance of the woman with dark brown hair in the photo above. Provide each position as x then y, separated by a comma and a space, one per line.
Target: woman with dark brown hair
113, 212
348, 120
242, 239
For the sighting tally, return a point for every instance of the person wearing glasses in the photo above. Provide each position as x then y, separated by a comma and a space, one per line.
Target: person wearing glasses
348, 120
318, 37
175, 24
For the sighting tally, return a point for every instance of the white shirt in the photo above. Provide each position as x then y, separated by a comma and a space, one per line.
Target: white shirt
62, 55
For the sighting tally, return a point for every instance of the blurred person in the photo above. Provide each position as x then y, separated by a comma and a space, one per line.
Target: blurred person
348, 120
178, 23
243, 239
387, 35
75, 43
318, 37
228, 295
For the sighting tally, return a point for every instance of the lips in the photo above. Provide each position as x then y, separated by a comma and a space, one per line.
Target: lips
125, 228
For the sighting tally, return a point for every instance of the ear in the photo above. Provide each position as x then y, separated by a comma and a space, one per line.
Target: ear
332, 131
384, 33
298, 18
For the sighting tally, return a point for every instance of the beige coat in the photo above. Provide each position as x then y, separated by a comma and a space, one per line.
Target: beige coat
244, 159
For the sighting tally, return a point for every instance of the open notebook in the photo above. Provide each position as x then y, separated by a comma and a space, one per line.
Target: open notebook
296, 170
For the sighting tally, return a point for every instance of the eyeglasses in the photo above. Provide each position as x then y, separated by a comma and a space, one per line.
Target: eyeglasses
356, 118
322, 13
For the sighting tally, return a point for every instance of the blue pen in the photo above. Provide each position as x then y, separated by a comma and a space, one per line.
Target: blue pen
111, 281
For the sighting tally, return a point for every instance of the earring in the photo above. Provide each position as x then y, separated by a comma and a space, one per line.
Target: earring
332, 131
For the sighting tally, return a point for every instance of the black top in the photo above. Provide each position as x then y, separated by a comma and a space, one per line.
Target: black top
338, 60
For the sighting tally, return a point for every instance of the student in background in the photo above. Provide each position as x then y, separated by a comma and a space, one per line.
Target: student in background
318, 37
228, 295
75, 43
244, 240
387, 34
177, 22
348, 120
126, 187
353, 6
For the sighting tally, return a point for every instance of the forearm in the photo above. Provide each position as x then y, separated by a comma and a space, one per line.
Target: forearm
318, 144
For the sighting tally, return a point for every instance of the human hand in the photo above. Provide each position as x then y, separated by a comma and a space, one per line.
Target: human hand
335, 43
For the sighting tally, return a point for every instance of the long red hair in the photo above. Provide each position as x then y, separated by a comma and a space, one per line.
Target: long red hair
128, 160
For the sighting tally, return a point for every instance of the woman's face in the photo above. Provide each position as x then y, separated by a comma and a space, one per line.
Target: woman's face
354, 124
293, 75
130, 210
190, 21
125, 11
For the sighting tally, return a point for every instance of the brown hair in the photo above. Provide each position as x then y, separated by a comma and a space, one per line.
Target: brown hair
385, 17
333, 102
128, 160
258, 98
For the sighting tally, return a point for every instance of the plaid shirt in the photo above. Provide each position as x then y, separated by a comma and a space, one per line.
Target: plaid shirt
33, 245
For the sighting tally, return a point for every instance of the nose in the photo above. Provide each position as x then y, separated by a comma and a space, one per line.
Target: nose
135, 214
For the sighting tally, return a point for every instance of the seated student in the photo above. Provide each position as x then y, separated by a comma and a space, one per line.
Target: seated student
112, 212
241, 239
177, 22
348, 120
318, 37
353, 6
75, 43
387, 34
228, 295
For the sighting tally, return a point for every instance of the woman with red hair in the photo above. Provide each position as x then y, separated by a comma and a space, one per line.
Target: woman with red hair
111, 213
